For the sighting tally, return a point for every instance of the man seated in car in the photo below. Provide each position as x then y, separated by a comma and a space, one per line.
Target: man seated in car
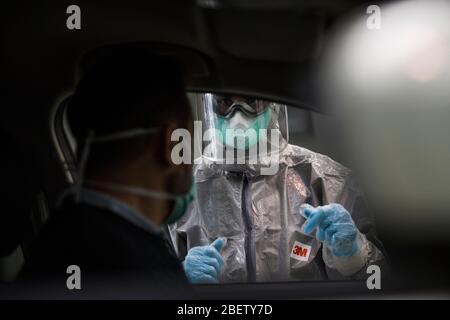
110, 224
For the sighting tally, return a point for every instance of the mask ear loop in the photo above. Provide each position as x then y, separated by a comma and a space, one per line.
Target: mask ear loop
105, 138
82, 164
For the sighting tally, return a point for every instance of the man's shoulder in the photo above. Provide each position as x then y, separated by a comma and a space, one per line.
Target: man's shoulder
105, 246
94, 236
86, 220
101, 227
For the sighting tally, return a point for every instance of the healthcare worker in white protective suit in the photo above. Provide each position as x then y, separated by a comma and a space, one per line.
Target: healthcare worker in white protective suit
305, 220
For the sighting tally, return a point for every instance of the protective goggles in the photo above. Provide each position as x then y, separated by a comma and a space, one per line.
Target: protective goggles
226, 106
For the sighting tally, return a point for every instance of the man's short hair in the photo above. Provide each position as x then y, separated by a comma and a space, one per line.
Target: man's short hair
123, 89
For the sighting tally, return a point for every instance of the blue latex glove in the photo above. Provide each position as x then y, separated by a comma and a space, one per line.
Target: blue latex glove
203, 264
335, 227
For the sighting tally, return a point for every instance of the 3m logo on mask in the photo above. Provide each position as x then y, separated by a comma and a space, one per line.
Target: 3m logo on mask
300, 251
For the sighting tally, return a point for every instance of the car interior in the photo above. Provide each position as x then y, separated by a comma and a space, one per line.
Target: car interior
270, 50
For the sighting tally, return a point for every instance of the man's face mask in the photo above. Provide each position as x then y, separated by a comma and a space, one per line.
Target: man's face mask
240, 120
180, 202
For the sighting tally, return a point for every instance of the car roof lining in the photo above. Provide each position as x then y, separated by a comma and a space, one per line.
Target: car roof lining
275, 63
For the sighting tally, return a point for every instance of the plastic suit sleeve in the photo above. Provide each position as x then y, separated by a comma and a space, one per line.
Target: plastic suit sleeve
369, 248
348, 266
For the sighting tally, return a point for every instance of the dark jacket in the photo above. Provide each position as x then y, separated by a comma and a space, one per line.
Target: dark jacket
114, 255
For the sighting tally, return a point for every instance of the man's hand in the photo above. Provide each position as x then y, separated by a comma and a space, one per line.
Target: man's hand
335, 228
203, 264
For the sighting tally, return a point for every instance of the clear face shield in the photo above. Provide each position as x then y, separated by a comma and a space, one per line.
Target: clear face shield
241, 130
